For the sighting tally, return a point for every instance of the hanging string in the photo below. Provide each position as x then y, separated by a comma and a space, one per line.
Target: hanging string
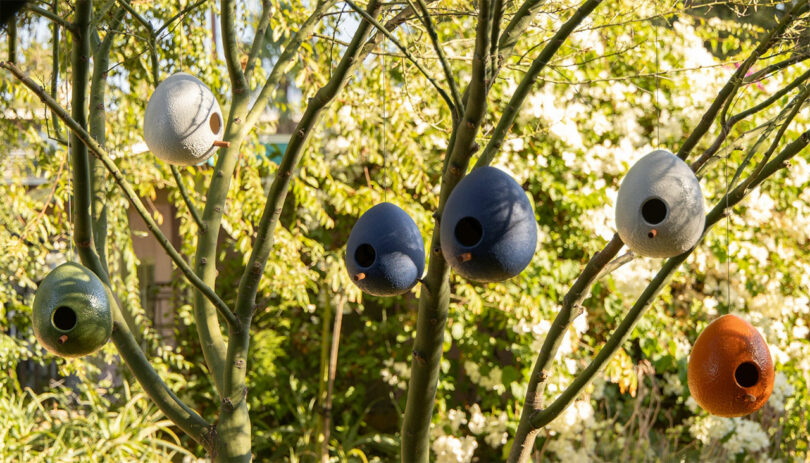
71, 249
386, 181
657, 107
728, 235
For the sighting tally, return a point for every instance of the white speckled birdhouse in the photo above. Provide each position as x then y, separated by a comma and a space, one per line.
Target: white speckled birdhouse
659, 208
182, 121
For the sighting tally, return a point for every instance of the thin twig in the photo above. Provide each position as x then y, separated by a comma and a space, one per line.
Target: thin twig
181, 187
427, 20
405, 52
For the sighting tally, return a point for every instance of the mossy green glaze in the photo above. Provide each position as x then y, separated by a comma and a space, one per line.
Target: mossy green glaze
71, 312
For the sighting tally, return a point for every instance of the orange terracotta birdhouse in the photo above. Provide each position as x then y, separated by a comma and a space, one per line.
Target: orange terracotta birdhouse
730, 369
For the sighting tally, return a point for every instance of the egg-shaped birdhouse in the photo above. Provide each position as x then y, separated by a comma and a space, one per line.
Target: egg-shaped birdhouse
659, 208
488, 232
182, 121
71, 312
385, 254
730, 370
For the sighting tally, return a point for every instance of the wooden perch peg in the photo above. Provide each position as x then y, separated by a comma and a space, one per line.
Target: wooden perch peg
222, 144
359, 276
464, 257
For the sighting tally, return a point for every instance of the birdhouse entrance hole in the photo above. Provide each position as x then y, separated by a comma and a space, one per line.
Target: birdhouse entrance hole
654, 211
364, 255
215, 122
469, 231
64, 318
747, 374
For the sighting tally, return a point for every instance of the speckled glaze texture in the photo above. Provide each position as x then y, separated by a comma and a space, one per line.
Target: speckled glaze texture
74, 286
664, 176
721, 348
499, 204
399, 252
177, 124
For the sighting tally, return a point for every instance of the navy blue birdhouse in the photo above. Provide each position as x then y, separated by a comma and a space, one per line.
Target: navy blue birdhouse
385, 255
488, 231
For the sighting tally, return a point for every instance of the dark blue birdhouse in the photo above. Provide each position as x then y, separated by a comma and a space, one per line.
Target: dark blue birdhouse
385, 255
488, 231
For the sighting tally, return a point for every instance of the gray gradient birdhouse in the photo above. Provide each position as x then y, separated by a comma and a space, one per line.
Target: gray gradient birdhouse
488, 232
659, 208
183, 121
71, 312
385, 254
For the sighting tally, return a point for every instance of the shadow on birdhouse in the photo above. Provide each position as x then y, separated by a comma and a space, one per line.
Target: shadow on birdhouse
730, 370
71, 312
385, 254
183, 123
488, 232
659, 208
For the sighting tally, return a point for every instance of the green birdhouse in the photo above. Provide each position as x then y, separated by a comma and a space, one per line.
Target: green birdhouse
71, 312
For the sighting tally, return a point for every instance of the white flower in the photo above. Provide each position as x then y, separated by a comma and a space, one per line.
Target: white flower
673, 384
782, 389
456, 418
472, 371
477, 420
748, 436
451, 449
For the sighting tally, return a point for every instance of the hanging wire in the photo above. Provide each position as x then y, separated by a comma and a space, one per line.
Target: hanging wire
71, 249
334, 33
386, 180
728, 235
657, 107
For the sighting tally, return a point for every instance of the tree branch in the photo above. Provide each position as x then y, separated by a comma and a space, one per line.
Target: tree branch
98, 129
286, 60
248, 284
80, 163
792, 110
153, 54
231, 47
258, 39
55, 72
178, 15
768, 70
730, 88
542, 417
184, 417
181, 187
435, 295
83, 138
528, 81
733, 120
12, 40
405, 52
427, 20
515, 29
233, 411
497, 17
50, 16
